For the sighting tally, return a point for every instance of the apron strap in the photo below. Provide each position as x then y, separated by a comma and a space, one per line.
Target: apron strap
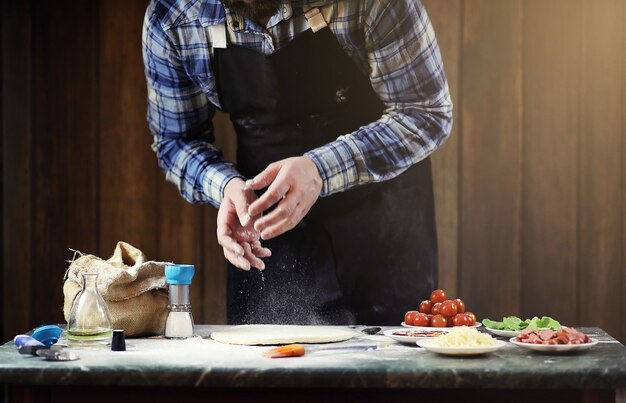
218, 35
315, 18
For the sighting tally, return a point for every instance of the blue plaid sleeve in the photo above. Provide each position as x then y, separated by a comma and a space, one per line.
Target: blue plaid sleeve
406, 71
179, 117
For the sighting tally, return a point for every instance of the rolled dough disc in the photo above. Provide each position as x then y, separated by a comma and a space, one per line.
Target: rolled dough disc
281, 334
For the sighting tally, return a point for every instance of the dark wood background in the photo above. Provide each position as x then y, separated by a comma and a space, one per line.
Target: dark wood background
530, 188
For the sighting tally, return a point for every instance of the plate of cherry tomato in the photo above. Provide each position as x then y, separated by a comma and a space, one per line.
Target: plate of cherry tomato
477, 324
440, 312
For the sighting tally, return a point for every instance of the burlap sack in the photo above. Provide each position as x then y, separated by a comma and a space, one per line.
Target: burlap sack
135, 290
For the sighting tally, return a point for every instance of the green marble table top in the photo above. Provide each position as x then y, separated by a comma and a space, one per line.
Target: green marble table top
201, 361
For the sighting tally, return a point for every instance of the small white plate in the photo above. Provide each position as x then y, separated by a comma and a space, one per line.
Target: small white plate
427, 344
554, 348
503, 333
477, 324
410, 336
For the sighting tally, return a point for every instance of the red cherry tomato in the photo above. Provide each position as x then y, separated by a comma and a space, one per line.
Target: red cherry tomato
438, 321
421, 319
430, 319
448, 308
449, 321
438, 295
409, 317
426, 306
460, 319
436, 309
460, 305
471, 317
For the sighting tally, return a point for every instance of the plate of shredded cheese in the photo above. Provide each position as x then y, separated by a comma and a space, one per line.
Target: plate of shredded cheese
462, 341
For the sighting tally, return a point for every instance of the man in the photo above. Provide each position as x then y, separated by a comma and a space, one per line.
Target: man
337, 106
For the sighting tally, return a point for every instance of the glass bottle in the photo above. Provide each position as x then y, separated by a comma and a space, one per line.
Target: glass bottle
90, 322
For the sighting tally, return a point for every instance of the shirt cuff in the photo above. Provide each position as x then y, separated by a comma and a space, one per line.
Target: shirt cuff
335, 162
216, 179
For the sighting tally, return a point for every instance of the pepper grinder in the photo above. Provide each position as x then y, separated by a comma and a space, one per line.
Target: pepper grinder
179, 323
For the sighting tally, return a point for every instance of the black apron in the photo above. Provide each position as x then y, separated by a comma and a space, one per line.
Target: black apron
362, 256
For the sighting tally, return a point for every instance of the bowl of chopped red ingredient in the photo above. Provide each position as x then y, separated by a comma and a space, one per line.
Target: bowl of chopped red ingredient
565, 339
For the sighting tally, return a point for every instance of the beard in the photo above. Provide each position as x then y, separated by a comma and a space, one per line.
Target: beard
256, 10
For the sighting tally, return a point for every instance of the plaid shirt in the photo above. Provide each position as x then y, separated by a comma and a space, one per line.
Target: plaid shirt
392, 41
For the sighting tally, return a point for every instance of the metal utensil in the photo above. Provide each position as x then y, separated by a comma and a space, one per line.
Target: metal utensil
57, 355
371, 330
350, 348
32, 350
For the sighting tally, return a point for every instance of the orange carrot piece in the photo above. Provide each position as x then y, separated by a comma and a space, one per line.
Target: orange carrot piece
290, 350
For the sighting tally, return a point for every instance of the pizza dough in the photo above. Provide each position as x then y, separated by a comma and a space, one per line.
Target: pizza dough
281, 334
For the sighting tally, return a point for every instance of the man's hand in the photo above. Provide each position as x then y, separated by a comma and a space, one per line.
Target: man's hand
235, 228
295, 184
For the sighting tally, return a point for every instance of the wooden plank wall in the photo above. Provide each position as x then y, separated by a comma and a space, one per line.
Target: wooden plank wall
623, 268
601, 155
446, 173
541, 182
551, 127
491, 156
64, 198
530, 188
1, 174
16, 170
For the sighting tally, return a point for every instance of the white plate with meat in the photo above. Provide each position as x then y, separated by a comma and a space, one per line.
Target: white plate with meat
505, 333
410, 336
563, 340
554, 348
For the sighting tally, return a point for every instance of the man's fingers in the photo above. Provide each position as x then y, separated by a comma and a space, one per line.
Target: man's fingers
235, 232
275, 191
236, 200
244, 217
230, 244
244, 254
285, 211
237, 260
241, 207
250, 257
275, 230
259, 250
280, 224
274, 194
264, 178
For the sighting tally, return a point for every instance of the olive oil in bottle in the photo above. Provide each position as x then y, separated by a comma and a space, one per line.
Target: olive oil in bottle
89, 336
90, 322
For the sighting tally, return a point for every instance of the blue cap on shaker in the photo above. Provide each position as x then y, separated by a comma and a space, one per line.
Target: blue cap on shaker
179, 273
